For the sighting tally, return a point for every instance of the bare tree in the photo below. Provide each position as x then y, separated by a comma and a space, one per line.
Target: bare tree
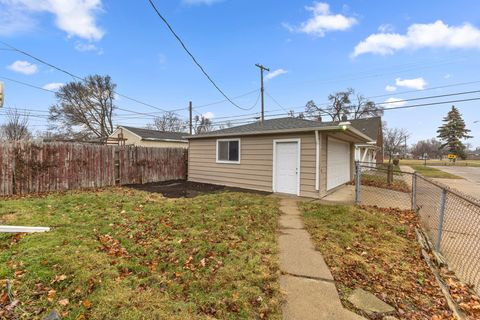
202, 124
340, 104
16, 128
225, 125
85, 109
394, 141
364, 108
170, 122
431, 147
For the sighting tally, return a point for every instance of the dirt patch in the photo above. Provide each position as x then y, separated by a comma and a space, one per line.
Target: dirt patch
187, 189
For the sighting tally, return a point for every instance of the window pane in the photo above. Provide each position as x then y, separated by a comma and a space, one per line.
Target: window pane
233, 151
223, 150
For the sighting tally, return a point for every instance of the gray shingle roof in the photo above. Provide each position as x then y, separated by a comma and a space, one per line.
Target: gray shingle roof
148, 134
368, 127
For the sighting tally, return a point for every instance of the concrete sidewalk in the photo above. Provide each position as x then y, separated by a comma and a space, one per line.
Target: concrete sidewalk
306, 280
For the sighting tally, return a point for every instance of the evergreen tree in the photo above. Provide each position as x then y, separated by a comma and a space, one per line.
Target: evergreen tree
452, 132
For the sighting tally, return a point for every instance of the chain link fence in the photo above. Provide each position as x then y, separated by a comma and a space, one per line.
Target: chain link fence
450, 219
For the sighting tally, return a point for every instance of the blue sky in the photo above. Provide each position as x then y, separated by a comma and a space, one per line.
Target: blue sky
313, 48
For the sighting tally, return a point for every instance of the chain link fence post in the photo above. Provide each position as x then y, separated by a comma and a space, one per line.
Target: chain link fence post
441, 216
414, 191
358, 174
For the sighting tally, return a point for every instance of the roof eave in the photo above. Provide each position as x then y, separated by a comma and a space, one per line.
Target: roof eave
166, 140
362, 136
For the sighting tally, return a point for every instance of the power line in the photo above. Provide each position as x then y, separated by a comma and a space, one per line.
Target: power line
52, 91
371, 97
27, 84
225, 100
426, 89
388, 109
275, 101
193, 57
373, 74
383, 103
431, 104
430, 97
140, 114
78, 77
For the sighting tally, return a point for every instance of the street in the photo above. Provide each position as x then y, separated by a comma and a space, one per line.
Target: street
471, 183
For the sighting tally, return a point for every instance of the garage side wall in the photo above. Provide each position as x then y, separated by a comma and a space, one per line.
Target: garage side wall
256, 163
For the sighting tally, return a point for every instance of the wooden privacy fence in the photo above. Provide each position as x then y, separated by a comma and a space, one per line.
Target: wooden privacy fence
28, 167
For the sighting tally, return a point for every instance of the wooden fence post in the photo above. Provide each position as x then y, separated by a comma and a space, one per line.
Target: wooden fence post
390, 174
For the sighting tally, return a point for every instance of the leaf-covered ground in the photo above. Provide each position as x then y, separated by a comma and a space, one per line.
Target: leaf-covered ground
124, 254
379, 180
377, 251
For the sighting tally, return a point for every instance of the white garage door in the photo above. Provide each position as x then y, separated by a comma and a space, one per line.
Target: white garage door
286, 167
338, 163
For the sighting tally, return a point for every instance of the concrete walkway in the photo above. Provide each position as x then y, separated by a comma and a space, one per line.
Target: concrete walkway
306, 280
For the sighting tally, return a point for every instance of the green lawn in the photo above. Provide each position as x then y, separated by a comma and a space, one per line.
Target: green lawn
434, 162
433, 172
377, 251
124, 254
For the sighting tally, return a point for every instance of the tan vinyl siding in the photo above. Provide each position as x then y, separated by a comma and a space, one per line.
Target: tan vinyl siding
255, 168
133, 139
323, 164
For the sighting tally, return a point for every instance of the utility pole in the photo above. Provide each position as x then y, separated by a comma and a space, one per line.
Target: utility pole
262, 89
190, 112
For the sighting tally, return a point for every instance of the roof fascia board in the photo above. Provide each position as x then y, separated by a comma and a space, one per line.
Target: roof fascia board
326, 128
170, 140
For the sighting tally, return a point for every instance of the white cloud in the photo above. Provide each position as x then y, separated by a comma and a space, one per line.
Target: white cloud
209, 115
447, 76
417, 83
200, 2
13, 20
323, 21
76, 17
24, 67
393, 102
390, 88
385, 28
88, 47
431, 35
54, 86
275, 73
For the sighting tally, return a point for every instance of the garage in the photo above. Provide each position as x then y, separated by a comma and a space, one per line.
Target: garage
282, 155
338, 163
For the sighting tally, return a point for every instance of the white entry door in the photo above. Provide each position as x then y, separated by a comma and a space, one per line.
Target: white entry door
287, 171
338, 163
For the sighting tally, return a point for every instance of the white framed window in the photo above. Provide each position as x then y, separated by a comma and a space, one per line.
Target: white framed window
228, 151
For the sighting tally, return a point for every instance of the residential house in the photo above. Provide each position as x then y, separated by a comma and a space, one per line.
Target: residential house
124, 135
372, 151
286, 155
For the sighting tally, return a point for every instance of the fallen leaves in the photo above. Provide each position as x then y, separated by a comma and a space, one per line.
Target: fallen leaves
86, 304
376, 250
150, 254
371, 180
63, 302
463, 295
112, 246
51, 294
59, 278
